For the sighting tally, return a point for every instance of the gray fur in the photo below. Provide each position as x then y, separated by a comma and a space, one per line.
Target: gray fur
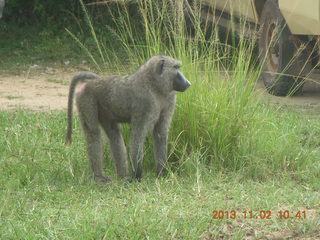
146, 99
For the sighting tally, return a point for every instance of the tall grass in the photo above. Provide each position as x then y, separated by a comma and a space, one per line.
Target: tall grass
220, 118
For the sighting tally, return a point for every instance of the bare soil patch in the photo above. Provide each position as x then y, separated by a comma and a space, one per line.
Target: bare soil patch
44, 91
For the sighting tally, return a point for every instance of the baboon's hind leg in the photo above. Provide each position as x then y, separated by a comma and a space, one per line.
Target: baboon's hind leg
90, 124
118, 148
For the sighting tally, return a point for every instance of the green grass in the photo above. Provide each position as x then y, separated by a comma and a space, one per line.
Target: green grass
13, 97
59, 81
46, 188
30, 49
228, 150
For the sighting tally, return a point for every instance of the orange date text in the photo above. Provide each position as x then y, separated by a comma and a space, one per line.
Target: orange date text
263, 214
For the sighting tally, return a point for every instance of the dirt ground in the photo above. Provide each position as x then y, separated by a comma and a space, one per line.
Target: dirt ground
48, 90
43, 91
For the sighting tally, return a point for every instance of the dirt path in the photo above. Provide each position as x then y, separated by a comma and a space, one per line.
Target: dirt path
48, 90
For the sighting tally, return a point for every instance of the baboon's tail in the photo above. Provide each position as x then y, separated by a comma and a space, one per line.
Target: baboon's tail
80, 77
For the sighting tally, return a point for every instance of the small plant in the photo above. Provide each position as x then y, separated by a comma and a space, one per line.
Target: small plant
59, 81
13, 97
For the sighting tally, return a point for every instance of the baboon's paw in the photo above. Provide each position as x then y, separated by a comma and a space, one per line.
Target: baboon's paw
137, 178
134, 179
138, 174
102, 179
162, 173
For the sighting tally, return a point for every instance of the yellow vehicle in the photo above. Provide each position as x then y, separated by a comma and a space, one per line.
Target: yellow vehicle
289, 35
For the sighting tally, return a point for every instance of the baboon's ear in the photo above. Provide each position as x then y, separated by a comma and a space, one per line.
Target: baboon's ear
159, 67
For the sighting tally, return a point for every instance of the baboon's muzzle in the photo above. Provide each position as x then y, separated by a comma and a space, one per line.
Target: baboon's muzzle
180, 83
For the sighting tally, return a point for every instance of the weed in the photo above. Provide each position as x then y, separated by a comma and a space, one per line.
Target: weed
60, 81
13, 97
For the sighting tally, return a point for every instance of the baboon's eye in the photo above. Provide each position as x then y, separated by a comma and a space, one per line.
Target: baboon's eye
177, 66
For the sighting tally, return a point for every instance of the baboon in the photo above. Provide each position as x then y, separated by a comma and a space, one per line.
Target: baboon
145, 99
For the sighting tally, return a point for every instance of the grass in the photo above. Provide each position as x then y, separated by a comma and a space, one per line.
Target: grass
59, 81
13, 97
47, 191
36, 48
228, 150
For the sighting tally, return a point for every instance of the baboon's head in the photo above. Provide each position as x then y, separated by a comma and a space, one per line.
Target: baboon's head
167, 74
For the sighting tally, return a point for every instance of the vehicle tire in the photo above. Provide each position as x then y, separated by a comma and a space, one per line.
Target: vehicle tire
278, 50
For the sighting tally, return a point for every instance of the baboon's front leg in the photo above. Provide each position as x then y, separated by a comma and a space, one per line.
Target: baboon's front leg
137, 139
160, 138
118, 148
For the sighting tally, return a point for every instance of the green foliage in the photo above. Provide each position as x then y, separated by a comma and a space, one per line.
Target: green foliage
45, 12
23, 47
47, 192
52, 14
